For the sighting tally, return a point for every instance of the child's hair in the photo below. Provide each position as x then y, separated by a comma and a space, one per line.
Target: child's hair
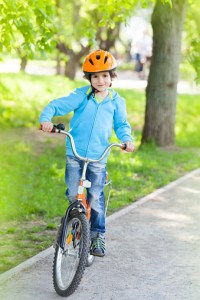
113, 74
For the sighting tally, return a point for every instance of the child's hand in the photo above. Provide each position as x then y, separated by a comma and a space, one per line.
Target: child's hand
46, 126
129, 147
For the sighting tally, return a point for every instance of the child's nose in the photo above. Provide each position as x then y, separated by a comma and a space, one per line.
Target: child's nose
100, 78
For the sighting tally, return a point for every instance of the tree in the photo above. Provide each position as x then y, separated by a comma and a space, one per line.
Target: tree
71, 36
84, 28
161, 91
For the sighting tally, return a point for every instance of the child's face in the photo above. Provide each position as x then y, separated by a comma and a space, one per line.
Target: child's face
101, 81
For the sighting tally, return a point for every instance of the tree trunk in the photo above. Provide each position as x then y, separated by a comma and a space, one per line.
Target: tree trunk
106, 36
161, 91
23, 59
74, 58
58, 65
23, 63
71, 66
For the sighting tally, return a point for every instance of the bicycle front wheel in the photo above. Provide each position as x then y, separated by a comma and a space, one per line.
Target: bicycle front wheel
69, 263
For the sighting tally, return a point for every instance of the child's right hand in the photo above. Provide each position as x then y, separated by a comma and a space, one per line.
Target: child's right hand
46, 126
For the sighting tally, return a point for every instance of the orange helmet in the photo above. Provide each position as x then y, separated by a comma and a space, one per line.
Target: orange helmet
99, 61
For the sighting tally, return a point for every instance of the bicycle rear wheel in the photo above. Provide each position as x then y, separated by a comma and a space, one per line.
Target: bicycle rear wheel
69, 264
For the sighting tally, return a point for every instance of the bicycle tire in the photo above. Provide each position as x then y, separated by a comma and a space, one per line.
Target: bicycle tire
69, 264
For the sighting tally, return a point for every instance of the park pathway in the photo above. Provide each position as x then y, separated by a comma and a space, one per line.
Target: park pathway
152, 253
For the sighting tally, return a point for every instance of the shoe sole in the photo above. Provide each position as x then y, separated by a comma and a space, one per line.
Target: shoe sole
96, 254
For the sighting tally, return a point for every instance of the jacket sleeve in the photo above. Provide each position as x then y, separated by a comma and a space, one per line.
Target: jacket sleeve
62, 106
122, 127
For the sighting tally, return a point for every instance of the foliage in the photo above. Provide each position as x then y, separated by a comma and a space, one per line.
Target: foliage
192, 31
27, 24
30, 25
86, 17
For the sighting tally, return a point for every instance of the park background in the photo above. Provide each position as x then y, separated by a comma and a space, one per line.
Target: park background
41, 55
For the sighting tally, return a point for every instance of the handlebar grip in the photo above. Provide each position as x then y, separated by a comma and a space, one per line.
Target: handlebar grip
56, 128
124, 146
59, 127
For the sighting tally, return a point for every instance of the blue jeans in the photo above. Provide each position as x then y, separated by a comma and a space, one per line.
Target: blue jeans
96, 174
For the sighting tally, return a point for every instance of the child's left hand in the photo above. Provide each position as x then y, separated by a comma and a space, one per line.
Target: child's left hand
129, 146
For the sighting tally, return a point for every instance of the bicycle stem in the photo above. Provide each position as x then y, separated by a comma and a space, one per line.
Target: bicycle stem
85, 164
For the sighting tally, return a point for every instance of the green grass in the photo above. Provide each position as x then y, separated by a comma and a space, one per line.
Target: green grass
24, 96
32, 188
20, 241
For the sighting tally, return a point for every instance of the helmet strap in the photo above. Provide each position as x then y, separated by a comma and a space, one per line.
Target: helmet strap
93, 91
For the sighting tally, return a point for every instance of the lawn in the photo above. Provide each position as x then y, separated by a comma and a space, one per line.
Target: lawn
32, 188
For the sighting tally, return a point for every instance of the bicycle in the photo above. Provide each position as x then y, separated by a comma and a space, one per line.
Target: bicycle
73, 238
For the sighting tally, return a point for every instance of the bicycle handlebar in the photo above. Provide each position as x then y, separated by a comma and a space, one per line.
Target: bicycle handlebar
60, 128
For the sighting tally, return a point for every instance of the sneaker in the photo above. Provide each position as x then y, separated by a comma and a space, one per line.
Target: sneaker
98, 246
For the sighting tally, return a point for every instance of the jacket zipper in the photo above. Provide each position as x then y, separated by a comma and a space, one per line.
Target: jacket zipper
92, 127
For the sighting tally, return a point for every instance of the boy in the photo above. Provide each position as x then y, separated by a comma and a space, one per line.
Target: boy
96, 110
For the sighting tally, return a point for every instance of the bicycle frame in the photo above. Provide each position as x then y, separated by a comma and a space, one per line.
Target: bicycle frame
81, 203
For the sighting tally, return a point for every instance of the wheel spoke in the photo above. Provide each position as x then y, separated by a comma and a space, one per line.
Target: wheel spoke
70, 263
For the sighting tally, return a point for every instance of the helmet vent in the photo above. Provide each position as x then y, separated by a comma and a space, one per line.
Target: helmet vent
105, 59
90, 60
99, 61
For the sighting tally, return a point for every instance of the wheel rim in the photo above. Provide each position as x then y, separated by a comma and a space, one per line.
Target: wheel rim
68, 259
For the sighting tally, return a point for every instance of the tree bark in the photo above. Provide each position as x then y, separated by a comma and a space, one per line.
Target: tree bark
106, 36
71, 66
161, 91
23, 59
58, 65
74, 58
23, 63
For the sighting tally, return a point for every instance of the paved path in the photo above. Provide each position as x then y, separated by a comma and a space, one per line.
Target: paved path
153, 253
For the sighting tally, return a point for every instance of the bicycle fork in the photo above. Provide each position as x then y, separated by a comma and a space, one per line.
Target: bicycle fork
83, 184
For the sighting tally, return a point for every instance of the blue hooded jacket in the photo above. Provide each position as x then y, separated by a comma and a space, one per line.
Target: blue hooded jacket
92, 122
